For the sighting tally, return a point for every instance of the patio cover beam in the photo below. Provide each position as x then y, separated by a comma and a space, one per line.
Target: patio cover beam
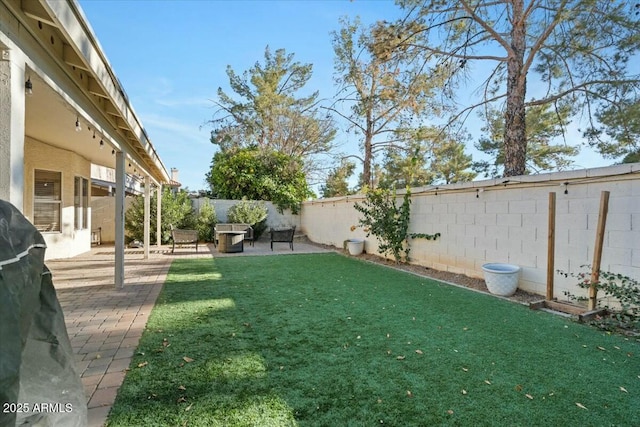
147, 214
119, 237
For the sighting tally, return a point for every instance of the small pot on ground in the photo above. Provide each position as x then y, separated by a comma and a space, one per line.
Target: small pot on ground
501, 279
355, 246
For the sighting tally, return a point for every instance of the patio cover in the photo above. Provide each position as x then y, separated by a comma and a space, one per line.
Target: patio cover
39, 385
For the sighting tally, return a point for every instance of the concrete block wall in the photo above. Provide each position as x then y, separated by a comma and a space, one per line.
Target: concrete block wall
498, 221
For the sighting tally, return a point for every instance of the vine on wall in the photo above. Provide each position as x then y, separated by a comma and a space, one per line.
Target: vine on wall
389, 222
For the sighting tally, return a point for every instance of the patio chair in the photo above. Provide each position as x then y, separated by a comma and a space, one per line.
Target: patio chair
284, 235
183, 237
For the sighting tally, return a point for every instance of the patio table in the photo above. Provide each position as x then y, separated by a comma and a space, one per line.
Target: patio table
231, 241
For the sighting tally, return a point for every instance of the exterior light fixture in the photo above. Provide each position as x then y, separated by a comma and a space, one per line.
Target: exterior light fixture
101, 144
78, 127
28, 87
113, 152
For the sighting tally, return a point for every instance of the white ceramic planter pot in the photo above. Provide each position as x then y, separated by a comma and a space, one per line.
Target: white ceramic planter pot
355, 246
501, 279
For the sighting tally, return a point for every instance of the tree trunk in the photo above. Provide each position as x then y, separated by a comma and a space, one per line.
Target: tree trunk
515, 132
368, 159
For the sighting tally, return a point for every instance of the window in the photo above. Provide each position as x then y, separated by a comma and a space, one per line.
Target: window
81, 203
47, 200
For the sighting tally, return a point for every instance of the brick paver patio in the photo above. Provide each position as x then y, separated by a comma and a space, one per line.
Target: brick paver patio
105, 323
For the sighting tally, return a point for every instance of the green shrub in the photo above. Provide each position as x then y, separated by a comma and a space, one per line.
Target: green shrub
206, 221
176, 211
252, 213
622, 289
383, 218
259, 174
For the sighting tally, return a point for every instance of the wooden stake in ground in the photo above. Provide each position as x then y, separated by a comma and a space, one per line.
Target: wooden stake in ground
551, 245
597, 250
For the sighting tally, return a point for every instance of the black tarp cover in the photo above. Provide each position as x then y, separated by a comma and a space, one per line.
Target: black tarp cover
39, 385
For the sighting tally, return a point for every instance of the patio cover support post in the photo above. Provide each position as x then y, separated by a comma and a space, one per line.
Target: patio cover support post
119, 244
159, 215
147, 215
12, 117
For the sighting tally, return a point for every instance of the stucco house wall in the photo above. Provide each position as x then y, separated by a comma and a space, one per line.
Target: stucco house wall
102, 216
68, 241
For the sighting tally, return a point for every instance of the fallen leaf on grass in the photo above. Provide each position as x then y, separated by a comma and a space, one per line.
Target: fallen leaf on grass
487, 382
143, 364
409, 394
419, 351
518, 388
529, 396
580, 405
401, 357
450, 412
182, 399
183, 388
601, 348
187, 359
623, 389
188, 407
465, 369
464, 391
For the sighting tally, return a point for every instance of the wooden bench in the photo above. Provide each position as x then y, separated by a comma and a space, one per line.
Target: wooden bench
284, 235
248, 235
184, 237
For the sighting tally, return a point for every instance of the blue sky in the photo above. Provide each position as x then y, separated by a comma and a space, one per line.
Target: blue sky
171, 57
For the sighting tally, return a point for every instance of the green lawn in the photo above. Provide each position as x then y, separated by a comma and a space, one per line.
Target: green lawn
326, 340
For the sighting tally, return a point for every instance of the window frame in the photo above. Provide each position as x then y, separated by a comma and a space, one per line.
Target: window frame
47, 220
80, 203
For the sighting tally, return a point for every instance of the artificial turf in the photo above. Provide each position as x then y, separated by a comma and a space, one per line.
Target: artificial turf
326, 340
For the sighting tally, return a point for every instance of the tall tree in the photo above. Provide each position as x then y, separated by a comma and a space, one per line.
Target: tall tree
259, 174
451, 164
271, 113
543, 125
385, 93
337, 182
433, 157
578, 50
618, 132
402, 168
